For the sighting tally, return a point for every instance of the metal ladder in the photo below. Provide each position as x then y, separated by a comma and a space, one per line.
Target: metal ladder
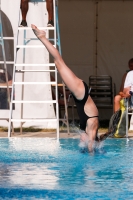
25, 45
4, 62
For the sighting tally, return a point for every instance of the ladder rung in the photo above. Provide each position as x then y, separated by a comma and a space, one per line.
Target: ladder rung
4, 119
41, 28
32, 120
59, 84
36, 83
62, 119
7, 62
7, 38
35, 71
30, 46
41, 65
23, 101
4, 86
31, 39
37, 39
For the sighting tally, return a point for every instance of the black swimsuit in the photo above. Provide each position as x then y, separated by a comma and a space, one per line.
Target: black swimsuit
80, 108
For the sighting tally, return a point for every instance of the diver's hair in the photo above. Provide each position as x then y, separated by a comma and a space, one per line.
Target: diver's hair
130, 61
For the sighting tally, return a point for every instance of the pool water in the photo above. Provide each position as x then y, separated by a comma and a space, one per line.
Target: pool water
42, 168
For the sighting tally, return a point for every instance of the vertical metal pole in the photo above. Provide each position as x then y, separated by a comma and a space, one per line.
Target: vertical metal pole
127, 118
57, 29
59, 47
13, 86
11, 105
22, 88
12, 94
56, 88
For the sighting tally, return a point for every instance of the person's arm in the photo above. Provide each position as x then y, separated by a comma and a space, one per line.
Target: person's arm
127, 85
126, 91
121, 93
122, 82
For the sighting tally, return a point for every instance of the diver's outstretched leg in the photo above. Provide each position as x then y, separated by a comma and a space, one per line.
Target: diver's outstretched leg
74, 84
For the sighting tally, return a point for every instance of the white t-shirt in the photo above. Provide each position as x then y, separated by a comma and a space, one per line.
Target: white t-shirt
129, 80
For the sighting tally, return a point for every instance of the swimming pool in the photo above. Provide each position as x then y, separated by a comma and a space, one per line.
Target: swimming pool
42, 168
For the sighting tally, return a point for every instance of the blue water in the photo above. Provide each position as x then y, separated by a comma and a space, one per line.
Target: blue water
41, 168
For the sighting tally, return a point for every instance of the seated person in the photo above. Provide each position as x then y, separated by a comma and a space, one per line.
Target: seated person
24, 9
121, 95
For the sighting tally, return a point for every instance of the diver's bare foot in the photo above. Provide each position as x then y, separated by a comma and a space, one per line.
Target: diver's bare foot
38, 33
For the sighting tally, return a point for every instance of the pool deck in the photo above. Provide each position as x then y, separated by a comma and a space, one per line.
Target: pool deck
41, 134
50, 134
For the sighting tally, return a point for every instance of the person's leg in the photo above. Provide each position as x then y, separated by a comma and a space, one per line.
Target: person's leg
74, 84
117, 99
24, 9
92, 123
49, 6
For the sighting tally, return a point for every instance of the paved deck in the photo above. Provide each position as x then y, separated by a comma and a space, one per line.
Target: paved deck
50, 134
40, 134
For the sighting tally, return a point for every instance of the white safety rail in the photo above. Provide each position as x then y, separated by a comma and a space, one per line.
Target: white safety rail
22, 68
